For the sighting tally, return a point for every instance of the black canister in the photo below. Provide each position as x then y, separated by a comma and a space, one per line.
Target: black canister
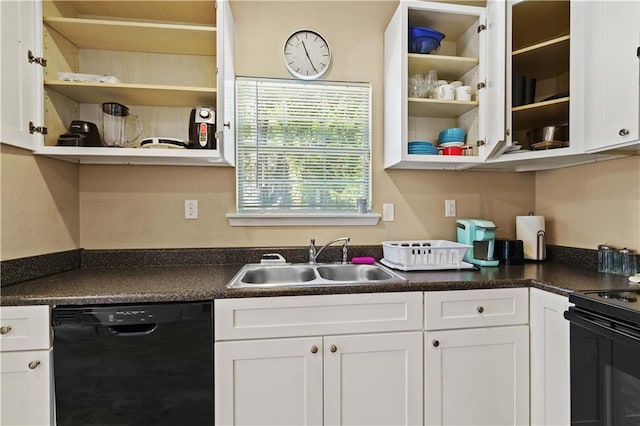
509, 252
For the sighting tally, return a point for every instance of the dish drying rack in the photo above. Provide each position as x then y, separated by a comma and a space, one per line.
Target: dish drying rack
425, 255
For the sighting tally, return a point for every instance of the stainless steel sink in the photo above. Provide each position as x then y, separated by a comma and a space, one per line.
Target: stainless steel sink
311, 275
353, 273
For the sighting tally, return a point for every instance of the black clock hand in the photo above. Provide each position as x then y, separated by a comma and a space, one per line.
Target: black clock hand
308, 57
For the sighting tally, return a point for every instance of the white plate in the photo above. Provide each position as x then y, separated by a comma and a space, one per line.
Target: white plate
450, 144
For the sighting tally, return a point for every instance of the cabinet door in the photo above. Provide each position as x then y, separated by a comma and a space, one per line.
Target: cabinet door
269, 382
25, 382
477, 377
494, 111
21, 86
613, 92
550, 372
225, 108
373, 379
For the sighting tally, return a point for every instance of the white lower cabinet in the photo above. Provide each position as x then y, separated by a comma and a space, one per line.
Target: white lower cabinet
476, 374
550, 365
349, 378
25, 366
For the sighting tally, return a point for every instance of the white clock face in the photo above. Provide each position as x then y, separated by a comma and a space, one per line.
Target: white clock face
306, 54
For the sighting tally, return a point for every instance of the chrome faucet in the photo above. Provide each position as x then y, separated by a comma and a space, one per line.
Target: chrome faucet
313, 253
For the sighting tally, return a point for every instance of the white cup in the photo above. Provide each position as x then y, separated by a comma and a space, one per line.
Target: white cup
463, 93
446, 92
456, 84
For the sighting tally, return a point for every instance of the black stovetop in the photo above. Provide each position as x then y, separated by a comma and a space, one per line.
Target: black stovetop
622, 304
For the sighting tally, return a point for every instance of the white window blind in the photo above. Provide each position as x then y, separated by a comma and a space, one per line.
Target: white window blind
302, 146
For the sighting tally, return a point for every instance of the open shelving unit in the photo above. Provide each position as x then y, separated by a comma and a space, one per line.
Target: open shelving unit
155, 47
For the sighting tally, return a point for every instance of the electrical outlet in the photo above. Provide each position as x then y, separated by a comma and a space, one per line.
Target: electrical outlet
449, 208
190, 209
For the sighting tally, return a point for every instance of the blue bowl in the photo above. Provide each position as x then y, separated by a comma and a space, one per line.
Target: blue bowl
424, 40
453, 134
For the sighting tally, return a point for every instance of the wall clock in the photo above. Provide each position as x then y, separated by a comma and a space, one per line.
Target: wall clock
306, 55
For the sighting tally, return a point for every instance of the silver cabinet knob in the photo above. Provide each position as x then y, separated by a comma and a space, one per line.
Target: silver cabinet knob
333, 348
623, 132
314, 349
5, 329
435, 343
480, 309
34, 364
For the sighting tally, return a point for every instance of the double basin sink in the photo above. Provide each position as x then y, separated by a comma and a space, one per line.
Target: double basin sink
312, 275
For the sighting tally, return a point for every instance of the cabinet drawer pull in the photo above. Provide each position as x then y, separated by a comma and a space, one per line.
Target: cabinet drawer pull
480, 309
623, 132
333, 348
5, 329
314, 349
435, 343
34, 364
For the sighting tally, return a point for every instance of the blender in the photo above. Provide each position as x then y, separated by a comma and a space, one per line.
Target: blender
119, 128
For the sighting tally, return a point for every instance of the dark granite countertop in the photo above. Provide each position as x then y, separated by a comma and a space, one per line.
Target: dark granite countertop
103, 285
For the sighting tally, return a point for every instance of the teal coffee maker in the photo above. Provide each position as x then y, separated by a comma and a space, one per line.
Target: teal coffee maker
481, 235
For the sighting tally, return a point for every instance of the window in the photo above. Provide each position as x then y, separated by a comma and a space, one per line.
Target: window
302, 147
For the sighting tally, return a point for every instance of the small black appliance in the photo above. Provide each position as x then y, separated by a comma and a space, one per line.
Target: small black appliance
509, 252
202, 128
81, 133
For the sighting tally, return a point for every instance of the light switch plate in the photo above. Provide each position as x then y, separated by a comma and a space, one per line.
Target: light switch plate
388, 212
449, 208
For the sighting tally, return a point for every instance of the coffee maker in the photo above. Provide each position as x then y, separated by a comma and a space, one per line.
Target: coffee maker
481, 235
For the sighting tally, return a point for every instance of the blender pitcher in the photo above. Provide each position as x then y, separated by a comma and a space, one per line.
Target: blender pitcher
119, 128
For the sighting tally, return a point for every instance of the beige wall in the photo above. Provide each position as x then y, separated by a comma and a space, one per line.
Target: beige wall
136, 207
102, 207
39, 208
592, 204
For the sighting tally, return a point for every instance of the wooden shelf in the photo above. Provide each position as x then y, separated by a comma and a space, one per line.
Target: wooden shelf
543, 60
541, 114
134, 94
136, 36
184, 11
142, 156
419, 107
535, 21
449, 68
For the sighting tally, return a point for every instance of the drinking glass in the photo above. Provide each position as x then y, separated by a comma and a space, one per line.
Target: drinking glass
430, 83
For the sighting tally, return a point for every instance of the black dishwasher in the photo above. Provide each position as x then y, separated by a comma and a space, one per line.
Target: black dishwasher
146, 364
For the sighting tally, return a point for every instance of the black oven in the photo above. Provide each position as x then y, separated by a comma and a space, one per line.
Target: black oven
605, 357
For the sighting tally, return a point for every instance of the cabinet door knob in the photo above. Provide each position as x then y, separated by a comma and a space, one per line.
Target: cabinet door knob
5, 329
435, 343
314, 349
480, 309
34, 364
623, 132
333, 348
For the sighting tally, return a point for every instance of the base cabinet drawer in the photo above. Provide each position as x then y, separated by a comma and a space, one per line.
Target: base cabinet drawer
267, 317
24, 328
476, 308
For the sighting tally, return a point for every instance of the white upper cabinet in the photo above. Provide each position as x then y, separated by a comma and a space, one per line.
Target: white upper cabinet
168, 57
465, 55
613, 65
529, 57
21, 93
